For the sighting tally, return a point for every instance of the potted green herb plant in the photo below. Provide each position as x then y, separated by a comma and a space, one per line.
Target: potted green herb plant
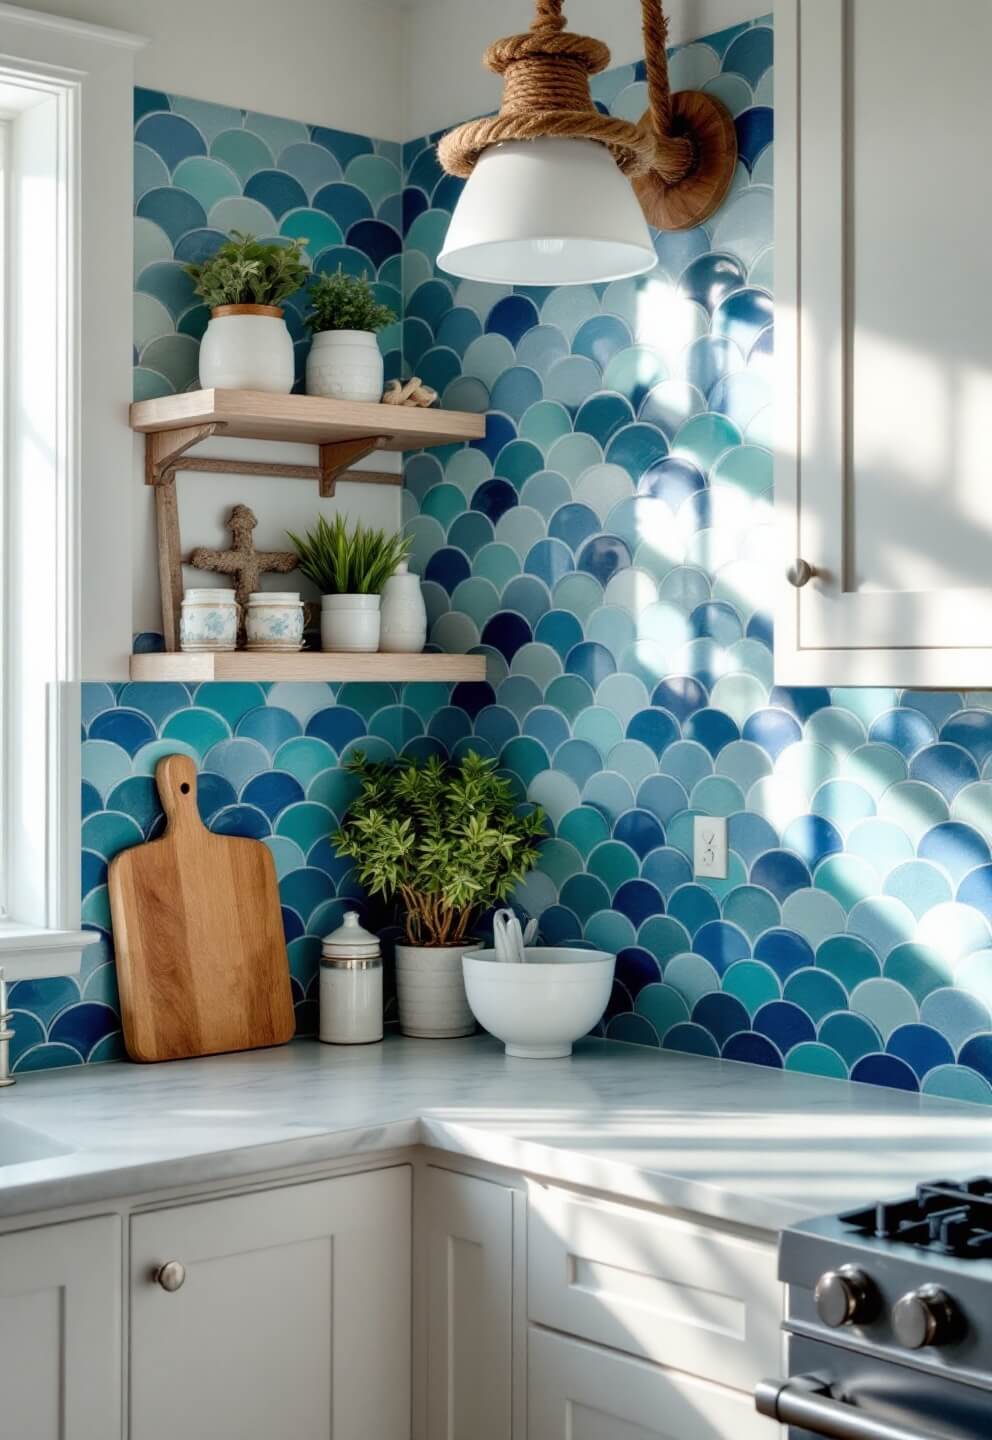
448, 841
345, 317
349, 569
246, 345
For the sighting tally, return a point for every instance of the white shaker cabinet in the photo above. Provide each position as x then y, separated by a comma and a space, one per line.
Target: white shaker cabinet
288, 1314
466, 1234
60, 1331
884, 342
581, 1392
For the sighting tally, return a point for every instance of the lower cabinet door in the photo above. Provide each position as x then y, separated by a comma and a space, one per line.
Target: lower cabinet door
467, 1235
289, 1316
581, 1392
60, 1331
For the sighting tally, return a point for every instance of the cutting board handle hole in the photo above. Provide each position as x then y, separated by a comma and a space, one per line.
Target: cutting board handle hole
184, 788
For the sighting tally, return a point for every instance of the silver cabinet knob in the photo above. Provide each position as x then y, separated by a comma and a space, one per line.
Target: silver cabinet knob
845, 1297
171, 1276
800, 573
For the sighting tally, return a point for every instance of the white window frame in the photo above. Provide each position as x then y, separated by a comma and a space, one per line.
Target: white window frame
65, 565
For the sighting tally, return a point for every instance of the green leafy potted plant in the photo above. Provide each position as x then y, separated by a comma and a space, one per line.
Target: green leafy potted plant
246, 345
449, 842
349, 569
345, 317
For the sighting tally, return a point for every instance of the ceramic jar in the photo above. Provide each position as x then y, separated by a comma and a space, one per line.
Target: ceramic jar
274, 620
350, 985
404, 614
430, 991
349, 623
345, 365
208, 620
247, 347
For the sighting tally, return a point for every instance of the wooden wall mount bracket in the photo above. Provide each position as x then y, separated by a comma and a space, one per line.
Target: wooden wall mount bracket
338, 455
691, 202
163, 448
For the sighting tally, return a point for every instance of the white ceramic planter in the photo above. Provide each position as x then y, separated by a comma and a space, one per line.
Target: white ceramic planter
430, 992
349, 623
345, 365
247, 347
539, 1008
404, 614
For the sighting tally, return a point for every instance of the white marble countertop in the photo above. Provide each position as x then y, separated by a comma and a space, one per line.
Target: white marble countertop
733, 1142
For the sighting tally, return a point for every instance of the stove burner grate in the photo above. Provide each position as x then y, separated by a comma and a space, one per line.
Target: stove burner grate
947, 1217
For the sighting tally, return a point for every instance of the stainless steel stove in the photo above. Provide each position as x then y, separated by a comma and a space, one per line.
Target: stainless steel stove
889, 1320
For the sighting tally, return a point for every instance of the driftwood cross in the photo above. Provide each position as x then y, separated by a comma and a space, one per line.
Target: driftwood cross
243, 561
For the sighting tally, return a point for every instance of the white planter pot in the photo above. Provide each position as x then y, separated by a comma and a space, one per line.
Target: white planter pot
247, 347
404, 614
345, 365
349, 623
430, 991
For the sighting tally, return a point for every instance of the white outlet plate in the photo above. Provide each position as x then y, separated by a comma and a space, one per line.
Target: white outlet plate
709, 837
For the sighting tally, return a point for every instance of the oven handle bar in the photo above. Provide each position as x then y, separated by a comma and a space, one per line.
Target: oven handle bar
804, 1401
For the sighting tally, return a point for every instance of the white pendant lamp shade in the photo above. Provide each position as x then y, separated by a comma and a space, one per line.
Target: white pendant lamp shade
547, 212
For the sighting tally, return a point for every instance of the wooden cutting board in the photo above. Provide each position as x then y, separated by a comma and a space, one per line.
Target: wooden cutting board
201, 956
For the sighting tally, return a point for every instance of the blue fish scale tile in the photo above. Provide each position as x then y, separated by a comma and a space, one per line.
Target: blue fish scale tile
588, 547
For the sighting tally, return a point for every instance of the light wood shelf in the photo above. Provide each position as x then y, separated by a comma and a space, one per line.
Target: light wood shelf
307, 665
256, 415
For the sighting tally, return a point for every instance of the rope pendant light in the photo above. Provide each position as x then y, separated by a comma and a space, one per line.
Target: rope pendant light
546, 201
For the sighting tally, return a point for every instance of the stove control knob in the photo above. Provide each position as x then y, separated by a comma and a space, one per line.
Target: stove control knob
926, 1317
845, 1297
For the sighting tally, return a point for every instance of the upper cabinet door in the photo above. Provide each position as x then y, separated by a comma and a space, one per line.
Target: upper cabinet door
884, 339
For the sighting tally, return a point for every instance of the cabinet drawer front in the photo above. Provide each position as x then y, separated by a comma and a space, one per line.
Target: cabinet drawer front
293, 1318
677, 1293
578, 1392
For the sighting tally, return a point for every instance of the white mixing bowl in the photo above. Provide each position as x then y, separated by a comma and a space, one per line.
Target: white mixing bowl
537, 1009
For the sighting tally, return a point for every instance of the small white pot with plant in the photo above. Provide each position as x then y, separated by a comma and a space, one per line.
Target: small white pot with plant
447, 841
349, 570
345, 362
246, 345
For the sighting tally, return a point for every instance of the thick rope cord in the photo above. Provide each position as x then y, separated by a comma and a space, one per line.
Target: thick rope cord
546, 94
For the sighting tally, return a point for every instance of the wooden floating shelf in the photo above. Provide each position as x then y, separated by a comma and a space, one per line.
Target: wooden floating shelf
256, 415
344, 431
307, 665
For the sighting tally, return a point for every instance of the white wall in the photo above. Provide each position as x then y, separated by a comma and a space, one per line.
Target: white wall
443, 72
326, 62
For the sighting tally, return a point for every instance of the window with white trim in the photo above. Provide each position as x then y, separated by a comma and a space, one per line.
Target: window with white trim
65, 99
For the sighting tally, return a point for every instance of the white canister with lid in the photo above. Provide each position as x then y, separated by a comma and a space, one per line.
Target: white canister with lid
208, 620
274, 620
350, 985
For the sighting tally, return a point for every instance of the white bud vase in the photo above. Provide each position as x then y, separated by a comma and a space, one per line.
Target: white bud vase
345, 365
404, 615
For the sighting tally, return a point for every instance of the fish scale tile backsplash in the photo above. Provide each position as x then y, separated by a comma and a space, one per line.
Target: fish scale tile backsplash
609, 546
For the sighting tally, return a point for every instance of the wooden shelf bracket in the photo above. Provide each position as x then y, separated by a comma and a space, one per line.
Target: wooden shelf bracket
165, 449
338, 455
